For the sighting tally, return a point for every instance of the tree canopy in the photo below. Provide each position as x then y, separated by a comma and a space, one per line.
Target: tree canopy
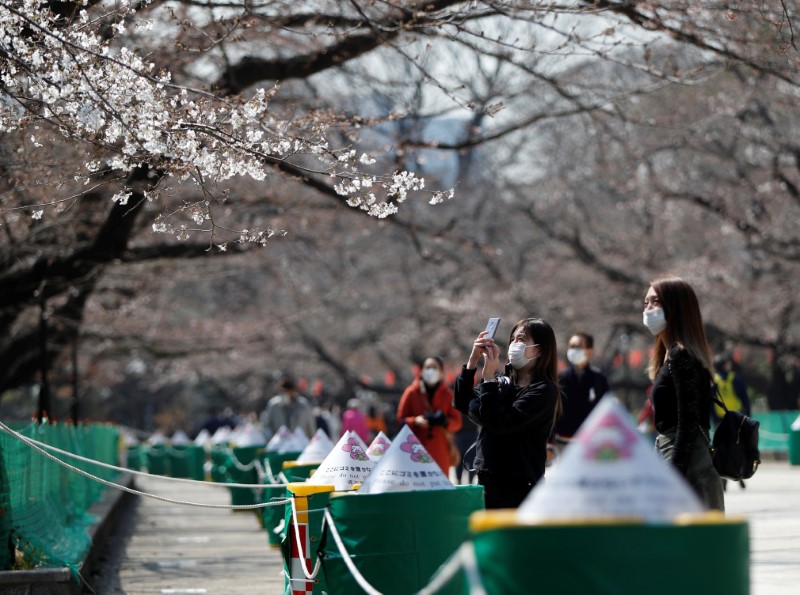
390, 168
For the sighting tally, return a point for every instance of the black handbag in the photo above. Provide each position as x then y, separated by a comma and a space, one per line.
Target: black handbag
734, 448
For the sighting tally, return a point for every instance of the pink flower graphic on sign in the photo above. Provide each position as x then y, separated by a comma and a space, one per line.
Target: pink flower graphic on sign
354, 448
416, 450
378, 446
609, 440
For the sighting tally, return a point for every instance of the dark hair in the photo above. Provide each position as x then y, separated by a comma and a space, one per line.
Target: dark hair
547, 362
684, 323
287, 383
437, 358
587, 338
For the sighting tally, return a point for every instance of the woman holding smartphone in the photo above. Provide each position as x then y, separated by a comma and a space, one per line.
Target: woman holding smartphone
514, 412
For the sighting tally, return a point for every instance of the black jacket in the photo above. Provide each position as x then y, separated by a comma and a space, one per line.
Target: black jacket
582, 391
682, 403
514, 423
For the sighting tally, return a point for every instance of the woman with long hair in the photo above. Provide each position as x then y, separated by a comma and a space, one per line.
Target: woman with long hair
681, 368
514, 412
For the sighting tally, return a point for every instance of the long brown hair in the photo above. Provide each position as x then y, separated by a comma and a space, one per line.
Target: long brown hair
684, 324
547, 363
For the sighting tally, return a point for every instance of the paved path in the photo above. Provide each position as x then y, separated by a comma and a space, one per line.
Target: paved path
165, 548
771, 503
168, 548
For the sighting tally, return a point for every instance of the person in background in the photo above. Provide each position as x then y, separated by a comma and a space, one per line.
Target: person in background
354, 420
288, 408
732, 392
515, 412
375, 422
682, 373
427, 408
582, 386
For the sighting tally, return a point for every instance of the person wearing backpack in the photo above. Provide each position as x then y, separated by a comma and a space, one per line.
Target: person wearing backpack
681, 368
732, 392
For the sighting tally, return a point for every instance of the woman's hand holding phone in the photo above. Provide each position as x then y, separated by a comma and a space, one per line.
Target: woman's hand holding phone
485, 346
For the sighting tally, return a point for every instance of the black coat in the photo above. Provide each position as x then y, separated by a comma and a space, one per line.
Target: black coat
514, 423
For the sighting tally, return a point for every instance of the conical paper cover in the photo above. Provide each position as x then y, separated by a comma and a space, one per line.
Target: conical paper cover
405, 466
300, 438
317, 448
345, 465
609, 470
282, 441
378, 446
249, 435
180, 437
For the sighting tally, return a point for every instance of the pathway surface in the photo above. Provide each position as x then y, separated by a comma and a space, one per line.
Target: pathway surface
161, 547
166, 548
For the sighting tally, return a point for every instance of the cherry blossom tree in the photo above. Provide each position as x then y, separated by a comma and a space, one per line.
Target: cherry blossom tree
139, 131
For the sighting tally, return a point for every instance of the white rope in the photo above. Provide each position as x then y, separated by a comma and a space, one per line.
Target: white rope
237, 464
445, 572
214, 484
470, 563
111, 484
362, 582
310, 575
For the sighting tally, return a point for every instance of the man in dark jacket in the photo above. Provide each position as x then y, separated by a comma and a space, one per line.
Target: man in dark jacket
582, 385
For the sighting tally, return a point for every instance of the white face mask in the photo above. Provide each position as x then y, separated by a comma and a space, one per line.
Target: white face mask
516, 355
576, 356
654, 320
431, 376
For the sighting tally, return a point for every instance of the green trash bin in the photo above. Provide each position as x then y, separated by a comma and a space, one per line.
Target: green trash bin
398, 540
624, 558
294, 471
157, 461
272, 516
794, 442
242, 469
275, 461
220, 459
134, 457
186, 460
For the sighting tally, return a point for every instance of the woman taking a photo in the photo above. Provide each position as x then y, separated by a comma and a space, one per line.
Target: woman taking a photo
514, 412
682, 372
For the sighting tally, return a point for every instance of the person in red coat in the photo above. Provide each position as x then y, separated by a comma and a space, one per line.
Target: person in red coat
427, 408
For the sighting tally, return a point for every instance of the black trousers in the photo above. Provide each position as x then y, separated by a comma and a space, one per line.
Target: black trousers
500, 491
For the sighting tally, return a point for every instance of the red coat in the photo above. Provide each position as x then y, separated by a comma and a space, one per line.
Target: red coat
415, 401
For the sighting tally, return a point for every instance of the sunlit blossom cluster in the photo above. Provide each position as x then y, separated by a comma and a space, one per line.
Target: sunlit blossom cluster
84, 87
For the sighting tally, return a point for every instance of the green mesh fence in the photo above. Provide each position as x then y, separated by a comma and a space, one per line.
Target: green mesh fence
44, 504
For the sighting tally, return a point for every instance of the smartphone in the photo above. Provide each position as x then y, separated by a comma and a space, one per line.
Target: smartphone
491, 327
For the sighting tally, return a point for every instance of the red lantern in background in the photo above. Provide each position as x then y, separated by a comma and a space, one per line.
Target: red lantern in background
390, 378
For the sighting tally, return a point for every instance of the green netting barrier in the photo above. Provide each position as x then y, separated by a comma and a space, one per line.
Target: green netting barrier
48, 502
398, 540
624, 559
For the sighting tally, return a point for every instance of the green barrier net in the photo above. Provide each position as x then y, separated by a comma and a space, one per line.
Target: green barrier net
46, 504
